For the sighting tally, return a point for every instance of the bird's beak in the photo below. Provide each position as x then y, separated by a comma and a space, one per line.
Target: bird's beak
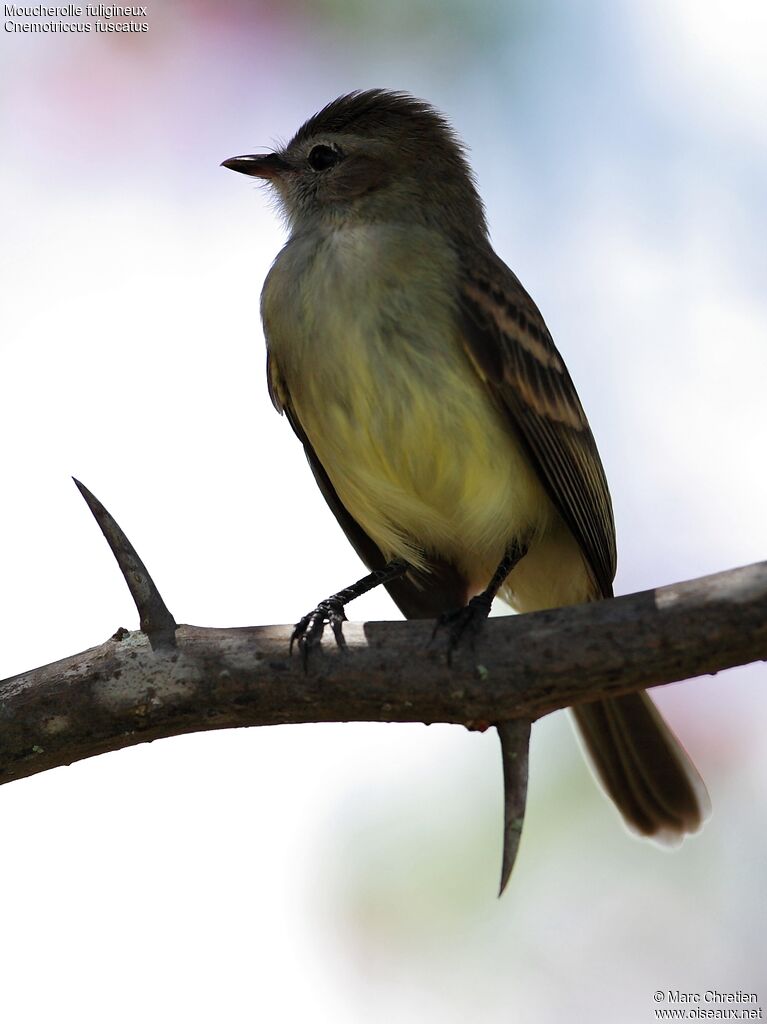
262, 165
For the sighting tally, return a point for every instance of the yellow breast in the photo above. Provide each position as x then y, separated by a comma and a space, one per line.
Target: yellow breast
362, 328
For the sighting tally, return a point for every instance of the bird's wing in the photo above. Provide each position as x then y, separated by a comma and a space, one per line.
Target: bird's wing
419, 595
512, 351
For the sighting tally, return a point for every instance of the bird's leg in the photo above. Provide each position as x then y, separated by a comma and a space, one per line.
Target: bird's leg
471, 618
308, 630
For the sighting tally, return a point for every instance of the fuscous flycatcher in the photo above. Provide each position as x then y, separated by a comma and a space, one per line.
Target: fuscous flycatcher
438, 417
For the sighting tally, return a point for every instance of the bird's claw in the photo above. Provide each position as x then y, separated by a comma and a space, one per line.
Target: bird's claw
464, 622
308, 631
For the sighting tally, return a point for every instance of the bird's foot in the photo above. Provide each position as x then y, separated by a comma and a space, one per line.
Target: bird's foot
308, 630
464, 623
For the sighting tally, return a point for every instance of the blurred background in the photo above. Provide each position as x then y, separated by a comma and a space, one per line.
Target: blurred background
348, 872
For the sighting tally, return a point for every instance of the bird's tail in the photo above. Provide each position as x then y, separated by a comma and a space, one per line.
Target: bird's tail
643, 767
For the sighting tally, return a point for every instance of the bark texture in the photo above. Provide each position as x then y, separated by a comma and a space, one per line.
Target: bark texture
128, 691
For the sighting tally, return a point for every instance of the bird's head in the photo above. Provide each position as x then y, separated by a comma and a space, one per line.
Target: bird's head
372, 156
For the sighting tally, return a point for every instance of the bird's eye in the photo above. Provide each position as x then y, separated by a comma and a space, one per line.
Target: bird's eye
322, 157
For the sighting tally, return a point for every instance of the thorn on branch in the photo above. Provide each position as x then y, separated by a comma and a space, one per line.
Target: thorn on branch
156, 621
515, 744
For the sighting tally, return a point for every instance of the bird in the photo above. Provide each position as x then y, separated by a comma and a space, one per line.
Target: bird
438, 417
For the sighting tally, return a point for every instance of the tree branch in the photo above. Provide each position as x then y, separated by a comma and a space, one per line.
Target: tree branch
524, 666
